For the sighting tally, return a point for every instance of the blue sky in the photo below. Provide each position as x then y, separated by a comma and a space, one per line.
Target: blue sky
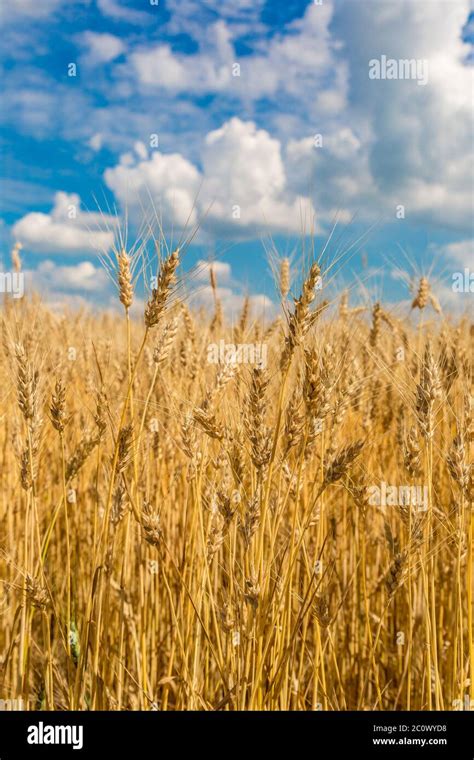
208, 111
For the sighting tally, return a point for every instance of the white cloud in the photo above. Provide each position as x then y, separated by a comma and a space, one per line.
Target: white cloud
208, 71
460, 253
169, 181
222, 270
141, 150
160, 67
27, 8
100, 47
115, 10
230, 9
68, 286
190, 16
96, 141
288, 63
322, 169
261, 173
244, 176
66, 229
417, 140
242, 188
385, 142
44, 107
453, 301
79, 277
16, 193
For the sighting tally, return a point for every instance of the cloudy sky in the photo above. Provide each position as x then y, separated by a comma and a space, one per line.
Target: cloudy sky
255, 120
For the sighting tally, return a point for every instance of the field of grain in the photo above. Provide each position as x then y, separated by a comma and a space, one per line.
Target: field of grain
177, 534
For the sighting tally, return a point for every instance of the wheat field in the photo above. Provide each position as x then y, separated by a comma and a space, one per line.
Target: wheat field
178, 534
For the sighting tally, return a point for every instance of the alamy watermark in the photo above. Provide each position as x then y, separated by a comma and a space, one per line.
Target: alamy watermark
463, 704
463, 282
47, 734
387, 495
399, 68
12, 282
16, 704
237, 353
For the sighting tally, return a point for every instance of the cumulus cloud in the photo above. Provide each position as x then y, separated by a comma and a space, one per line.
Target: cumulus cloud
384, 142
222, 270
452, 300
141, 150
96, 141
191, 16
28, 9
100, 47
69, 286
115, 10
158, 66
319, 165
241, 190
83, 277
417, 140
287, 63
232, 10
66, 229
170, 182
460, 253
245, 180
